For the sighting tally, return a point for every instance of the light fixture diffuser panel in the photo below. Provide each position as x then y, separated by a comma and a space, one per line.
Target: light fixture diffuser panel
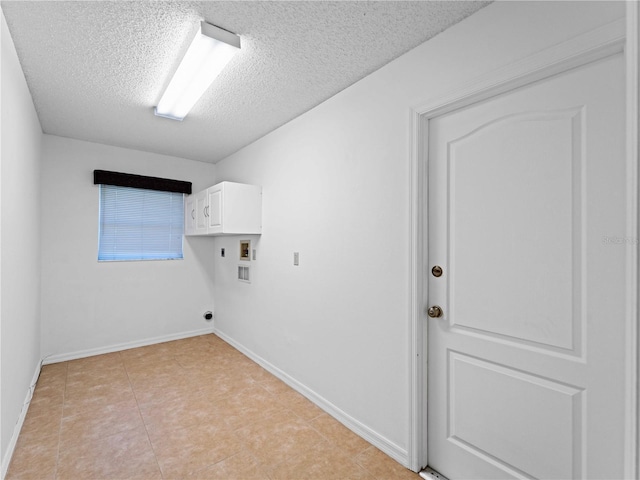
220, 34
210, 51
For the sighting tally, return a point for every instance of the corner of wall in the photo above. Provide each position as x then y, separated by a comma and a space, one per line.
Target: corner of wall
20, 165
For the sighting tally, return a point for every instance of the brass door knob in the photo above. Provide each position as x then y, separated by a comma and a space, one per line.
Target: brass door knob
434, 312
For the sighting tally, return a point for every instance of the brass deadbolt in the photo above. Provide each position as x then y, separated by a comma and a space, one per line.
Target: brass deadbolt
434, 312
436, 271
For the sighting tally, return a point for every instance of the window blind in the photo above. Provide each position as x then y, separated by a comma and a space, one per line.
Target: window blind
140, 224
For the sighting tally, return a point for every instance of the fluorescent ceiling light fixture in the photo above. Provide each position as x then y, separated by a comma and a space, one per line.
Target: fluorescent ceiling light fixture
209, 52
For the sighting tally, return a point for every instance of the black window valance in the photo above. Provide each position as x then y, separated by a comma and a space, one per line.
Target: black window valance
140, 181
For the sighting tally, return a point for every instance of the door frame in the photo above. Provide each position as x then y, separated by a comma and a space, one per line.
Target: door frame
620, 36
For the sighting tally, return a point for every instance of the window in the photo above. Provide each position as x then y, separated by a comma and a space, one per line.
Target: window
140, 224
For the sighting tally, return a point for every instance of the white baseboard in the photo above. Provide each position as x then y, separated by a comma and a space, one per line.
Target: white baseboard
63, 357
390, 448
6, 460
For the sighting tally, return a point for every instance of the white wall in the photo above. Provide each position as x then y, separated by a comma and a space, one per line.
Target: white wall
336, 188
20, 240
89, 305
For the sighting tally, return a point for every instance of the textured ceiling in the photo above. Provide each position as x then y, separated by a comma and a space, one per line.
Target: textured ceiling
97, 69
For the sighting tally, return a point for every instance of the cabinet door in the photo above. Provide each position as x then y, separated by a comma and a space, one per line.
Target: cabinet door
215, 210
190, 215
202, 207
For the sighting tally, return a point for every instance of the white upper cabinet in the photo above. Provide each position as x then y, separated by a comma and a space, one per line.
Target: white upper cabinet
224, 209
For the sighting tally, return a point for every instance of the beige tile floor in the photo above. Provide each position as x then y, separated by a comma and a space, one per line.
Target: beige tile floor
193, 409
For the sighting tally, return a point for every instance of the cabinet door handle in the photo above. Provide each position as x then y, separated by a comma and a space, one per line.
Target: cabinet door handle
193, 214
206, 211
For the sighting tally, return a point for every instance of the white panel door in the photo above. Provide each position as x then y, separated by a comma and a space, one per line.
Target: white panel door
527, 362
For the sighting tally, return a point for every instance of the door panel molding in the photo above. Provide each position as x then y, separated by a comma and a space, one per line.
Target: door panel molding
614, 38
570, 171
554, 396
632, 50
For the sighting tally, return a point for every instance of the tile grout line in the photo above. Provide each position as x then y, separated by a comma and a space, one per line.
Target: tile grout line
144, 424
64, 399
285, 408
230, 427
324, 438
246, 448
234, 430
352, 457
